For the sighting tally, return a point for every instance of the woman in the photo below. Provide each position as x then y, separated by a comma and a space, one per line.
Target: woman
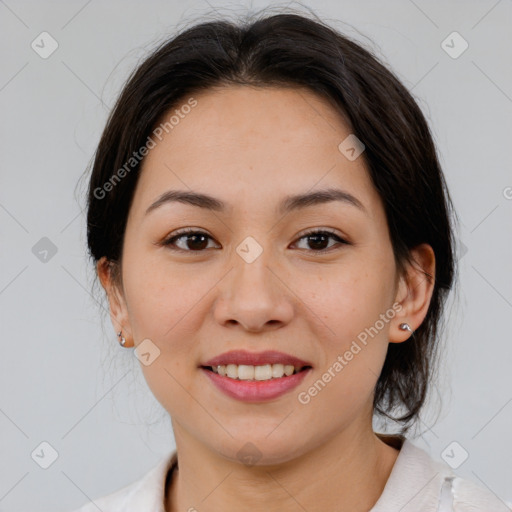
269, 220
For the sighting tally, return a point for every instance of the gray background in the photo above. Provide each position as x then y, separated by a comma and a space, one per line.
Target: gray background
63, 378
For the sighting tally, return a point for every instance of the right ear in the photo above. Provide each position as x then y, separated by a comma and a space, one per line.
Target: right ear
117, 305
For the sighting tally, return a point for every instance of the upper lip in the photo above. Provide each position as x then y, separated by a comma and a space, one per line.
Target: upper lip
255, 358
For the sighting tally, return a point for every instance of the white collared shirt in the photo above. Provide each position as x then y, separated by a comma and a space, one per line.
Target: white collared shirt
417, 483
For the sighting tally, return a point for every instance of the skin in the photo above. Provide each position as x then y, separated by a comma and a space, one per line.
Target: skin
250, 147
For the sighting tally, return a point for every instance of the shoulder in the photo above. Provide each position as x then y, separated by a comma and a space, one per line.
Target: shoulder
420, 482
113, 502
147, 493
457, 494
469, 496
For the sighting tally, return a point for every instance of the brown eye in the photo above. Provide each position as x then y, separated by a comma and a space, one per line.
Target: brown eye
196, 241
319, 237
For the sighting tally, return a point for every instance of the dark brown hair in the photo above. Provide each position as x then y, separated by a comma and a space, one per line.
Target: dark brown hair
294, 50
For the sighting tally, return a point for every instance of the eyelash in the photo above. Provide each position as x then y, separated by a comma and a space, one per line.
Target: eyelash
169, 241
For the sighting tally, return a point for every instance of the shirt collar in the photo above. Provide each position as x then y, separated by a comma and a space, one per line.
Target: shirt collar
148, 493
423, 478
415, 481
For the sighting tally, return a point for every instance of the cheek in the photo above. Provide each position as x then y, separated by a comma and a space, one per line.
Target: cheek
354, 344
351, 298
355, 308
165, 305
161, 297
164, 308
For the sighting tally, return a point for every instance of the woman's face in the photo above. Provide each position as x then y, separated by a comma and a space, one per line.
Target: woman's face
254, 281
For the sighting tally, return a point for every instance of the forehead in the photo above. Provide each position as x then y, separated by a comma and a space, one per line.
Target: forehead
258, 144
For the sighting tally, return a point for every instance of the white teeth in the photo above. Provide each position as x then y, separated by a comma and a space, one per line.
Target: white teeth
249, 372
232, 371
245, 372
277, 370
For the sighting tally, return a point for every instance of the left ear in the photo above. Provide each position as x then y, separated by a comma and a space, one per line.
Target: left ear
414, 292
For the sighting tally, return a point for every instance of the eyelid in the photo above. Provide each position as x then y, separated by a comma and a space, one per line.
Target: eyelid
329, 232
166, 242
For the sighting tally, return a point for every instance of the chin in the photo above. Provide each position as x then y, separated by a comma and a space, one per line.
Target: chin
259, 450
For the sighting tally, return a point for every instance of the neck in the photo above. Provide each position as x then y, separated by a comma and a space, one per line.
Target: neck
347, 472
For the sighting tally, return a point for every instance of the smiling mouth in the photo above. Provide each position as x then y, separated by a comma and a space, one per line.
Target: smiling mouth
255, 373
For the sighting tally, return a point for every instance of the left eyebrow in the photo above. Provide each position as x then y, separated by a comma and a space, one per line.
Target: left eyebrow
319, 197
288, 204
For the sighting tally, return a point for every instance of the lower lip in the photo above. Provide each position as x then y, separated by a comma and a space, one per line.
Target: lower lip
256, 390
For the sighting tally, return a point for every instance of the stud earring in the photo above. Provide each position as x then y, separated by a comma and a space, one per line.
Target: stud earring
122, 340
406, 327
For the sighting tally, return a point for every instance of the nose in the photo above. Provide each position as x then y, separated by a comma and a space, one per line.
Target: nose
254, 297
